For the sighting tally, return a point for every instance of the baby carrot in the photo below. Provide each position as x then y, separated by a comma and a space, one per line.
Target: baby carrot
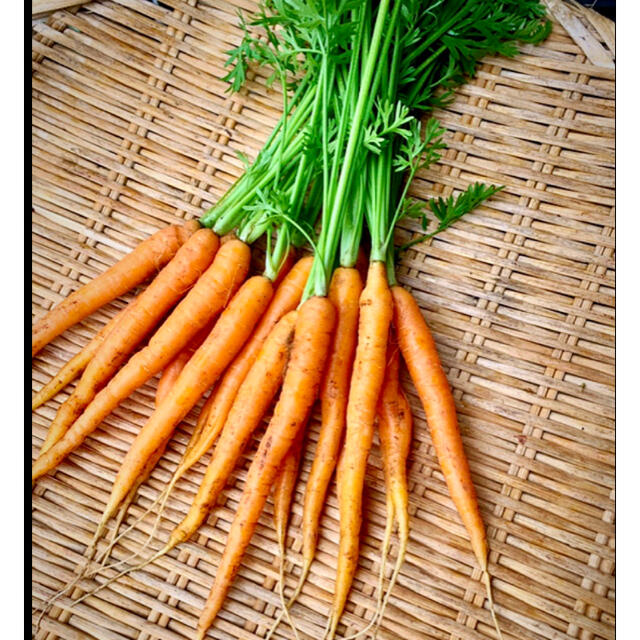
145, 260
394, 428
344, 291
419, 351
283, 488
376, 312
72, 369
152, 304
312, 338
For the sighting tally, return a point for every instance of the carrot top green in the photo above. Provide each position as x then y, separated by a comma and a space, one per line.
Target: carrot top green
354, 76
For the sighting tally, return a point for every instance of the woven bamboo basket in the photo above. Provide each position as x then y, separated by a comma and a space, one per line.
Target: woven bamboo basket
133, 129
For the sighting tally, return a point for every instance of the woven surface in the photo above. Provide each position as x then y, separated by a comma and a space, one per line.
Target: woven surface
132, 129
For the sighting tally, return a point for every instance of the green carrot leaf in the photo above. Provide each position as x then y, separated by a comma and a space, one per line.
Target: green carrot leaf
448, 210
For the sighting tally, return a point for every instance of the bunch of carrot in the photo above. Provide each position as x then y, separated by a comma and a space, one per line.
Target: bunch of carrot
330, 327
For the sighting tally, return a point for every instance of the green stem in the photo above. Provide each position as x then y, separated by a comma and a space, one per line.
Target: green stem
398, 210
234, 215
352, 228
417, 86
275, 258
434, 35
244, 188
391, 268
318, 281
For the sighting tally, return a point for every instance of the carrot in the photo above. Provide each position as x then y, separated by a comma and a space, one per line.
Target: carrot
147, 258
285, 299
419, 351
376, 311
229, 334
172, 371
344, 292
215, 411
252, 402
72, 369
167, 288
311, 342
218, 406
283, 487
394, 428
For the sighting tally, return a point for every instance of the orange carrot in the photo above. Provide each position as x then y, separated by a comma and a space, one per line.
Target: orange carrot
74, 367
168, 378
167, 288
376, 312
312, 339
344, 292
285, 299
252, 401
145, 260
283, 488
419, 351
229, 334
394, 428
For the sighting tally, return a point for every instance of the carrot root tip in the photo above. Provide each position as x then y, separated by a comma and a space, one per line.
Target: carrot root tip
486, 579
283, 603
331, 628
83, 573
294, 596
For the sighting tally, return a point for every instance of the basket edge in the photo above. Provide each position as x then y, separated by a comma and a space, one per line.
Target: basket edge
588, 29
